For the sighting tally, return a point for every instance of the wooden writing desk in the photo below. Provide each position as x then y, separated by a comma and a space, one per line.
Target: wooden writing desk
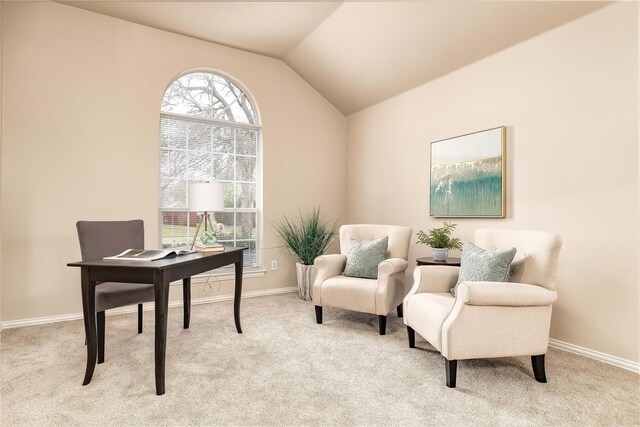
161, 273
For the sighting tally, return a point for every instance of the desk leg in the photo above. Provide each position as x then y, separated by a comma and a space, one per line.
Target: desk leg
238, 293
161, 286
186, 300
89, 315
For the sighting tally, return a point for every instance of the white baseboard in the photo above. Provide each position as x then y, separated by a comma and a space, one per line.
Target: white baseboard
592, 354
147, 306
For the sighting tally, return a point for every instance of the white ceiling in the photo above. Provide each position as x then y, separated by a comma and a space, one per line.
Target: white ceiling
356, 54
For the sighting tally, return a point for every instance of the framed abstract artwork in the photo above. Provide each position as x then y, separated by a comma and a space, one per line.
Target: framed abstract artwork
468, 175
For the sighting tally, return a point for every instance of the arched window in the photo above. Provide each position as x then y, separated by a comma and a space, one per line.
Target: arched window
209, 131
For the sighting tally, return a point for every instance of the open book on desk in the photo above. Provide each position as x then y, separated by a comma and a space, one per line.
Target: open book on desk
148, 255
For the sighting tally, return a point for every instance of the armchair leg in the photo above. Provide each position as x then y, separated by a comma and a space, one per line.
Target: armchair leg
538, 368
412, 337
399, 310
139, 318
382, 321
451, 366
100, 324
319, 314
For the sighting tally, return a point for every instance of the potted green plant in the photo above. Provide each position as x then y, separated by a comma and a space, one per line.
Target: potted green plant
440, 240
308, 236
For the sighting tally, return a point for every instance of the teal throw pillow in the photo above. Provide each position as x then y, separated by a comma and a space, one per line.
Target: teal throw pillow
363, 258
478, 265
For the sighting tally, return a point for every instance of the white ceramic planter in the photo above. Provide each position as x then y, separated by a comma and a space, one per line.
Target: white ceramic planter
440, 254
306, 274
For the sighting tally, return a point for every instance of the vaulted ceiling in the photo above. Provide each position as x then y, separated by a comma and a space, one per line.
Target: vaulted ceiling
356, 54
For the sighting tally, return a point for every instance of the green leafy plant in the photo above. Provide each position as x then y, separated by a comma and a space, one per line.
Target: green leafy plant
308, 235
440, 237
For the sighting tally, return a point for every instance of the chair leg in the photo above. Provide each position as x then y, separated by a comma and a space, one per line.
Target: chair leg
139, 318
319, 314
412, 337
382, 322
100, 322
538, 368
451, 367
399, 310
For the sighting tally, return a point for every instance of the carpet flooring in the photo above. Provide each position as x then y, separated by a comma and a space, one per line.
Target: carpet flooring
286, 370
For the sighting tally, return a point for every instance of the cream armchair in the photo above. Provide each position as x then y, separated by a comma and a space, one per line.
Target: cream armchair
488, 319
376, 296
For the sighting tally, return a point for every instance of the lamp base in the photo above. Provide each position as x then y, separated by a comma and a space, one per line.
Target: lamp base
206, 219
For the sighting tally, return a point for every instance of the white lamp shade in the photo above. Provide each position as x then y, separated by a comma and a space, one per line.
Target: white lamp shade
206, 197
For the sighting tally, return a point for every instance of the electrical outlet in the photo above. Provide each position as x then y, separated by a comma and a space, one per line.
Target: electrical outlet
274, 264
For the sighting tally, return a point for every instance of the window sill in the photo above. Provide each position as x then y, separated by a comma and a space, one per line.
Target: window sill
223, 276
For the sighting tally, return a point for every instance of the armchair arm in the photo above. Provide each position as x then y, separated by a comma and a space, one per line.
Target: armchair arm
391, 266
329, 266
390, 289
434, 279
431, 279
477, 327
505, 294
326, 266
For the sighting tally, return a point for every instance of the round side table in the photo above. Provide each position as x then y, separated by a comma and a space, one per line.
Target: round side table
455, 262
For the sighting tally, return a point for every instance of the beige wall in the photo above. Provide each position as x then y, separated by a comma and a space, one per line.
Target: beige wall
81, 100
569, 99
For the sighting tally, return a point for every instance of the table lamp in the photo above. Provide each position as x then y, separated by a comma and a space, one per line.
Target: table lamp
205, 197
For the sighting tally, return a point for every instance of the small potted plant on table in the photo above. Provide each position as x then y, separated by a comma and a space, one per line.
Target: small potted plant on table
440, 240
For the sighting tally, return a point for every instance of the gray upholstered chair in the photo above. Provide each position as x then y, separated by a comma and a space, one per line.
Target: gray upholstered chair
376, 296
489, 319
99, 239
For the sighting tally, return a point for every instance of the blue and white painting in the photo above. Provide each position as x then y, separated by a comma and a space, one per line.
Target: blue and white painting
467, 175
